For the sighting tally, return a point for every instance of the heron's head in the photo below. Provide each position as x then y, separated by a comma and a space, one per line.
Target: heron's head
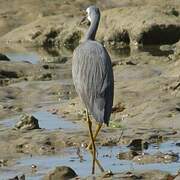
91, 13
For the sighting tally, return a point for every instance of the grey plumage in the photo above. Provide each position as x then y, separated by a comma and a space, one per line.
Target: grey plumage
92, 73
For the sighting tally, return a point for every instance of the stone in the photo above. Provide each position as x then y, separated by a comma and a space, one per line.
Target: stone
4, 57
22, 177
61, 172
137, 145
27, 122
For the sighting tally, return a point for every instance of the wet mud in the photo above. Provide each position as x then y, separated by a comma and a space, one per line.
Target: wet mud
43, 128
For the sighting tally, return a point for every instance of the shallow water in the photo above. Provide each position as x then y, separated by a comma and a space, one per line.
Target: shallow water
46, 120
51, 122
155, 50
31, 57
80, 160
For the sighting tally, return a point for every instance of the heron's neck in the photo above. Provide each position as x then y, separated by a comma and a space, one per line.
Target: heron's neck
91, 33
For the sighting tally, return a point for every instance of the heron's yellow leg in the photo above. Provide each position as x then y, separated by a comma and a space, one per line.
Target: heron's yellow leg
92, 140
98, 127
98, 163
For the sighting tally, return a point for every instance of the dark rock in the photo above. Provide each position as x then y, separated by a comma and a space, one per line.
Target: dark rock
138, 145
119, 107
61, 172
3, 162
4, 57
8, 74
173, 12
27, 122
14, 178
130, 63
22, 177
18, 178
45, 66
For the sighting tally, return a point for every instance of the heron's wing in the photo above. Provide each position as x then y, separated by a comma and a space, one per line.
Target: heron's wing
93, 79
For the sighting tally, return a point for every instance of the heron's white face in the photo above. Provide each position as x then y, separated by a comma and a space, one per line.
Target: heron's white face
88, 14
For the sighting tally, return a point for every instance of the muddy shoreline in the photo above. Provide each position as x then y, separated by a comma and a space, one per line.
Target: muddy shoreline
142, 38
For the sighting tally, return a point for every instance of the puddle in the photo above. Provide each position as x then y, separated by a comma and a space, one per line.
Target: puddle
46, 121
81, 162
51, 122
155, 50
31, 57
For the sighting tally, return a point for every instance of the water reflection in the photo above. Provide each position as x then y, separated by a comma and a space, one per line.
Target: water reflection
155, 50
107, 156
46, 121
31, 57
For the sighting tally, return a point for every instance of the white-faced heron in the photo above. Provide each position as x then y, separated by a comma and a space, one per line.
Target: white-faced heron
93, 77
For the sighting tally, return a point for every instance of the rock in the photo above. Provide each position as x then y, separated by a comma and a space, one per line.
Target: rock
4, 57
3, 162
126, 155
45, 66
156, 174
119, 107
14, 178
8, 74
61, 172
22, 177
27, 122
173, 12
137, 145
156, 158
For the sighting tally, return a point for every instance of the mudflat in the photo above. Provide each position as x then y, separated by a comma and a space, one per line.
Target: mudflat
42, 120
